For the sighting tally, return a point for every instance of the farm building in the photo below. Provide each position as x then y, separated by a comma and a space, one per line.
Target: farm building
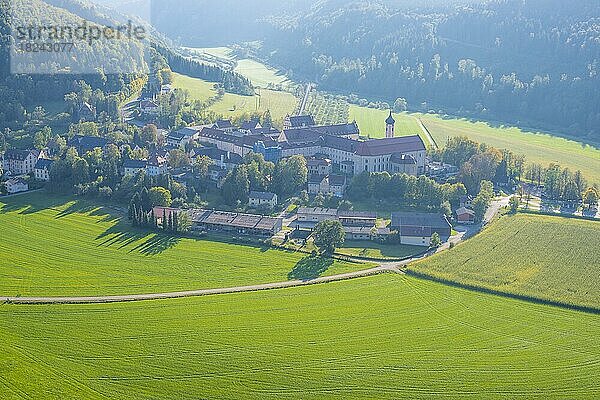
247, 224
308, 217
465, 216
16, 185
416, 228
365, 232
256, 199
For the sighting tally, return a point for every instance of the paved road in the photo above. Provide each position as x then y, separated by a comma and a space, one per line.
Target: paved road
427, 134
203, 292
305, 99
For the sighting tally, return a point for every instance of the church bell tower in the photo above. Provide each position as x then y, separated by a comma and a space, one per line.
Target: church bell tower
389, 126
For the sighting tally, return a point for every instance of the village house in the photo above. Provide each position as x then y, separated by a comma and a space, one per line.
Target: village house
16, 185
42, 169
183, 136
83, 144
86, 112
245, 224
148, 106
332, 184
257, 199
465, 216
156, 165
132, 167
318, 166
416, 229
20, 162
220, 158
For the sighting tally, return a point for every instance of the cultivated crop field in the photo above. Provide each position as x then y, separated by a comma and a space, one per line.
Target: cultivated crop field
537, 147
55, 247
381, 337
546, 257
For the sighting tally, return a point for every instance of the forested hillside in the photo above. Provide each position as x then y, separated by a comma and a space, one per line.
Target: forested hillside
531, 62
528, 62
22, 93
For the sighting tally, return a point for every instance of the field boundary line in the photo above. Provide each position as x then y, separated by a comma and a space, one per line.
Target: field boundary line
201, 292
481, 289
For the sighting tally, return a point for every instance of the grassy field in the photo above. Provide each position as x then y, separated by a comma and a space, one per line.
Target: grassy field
546, 257
537, 147
372, 122
61, 247
197, 88
377, 250
382, 337
259, 74
279, 103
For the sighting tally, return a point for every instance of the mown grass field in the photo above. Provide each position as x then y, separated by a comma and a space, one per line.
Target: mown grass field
259, 74
372, 122
385, 337
233, 105
55, 247
197, 88
378, 250
279, 103
546, 257
537, 147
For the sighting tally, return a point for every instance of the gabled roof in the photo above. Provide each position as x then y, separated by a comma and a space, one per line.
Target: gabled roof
465, 210
137, 164
302, 120
16, 181
300, 136
402, 159
338, 130
250, 125
337, 180
87, 142
413, 219
156, 160
19, 155
342, 143
262, 195
43, 163
148, 104
317, 211
378, 147
316, 179
223, 124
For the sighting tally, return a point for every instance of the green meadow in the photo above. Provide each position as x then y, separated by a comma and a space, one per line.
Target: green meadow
259, 74
53, 246
537, 147
372, 122
546, 257
384, 337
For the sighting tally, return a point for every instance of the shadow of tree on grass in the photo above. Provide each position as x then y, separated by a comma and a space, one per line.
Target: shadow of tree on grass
310, 268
